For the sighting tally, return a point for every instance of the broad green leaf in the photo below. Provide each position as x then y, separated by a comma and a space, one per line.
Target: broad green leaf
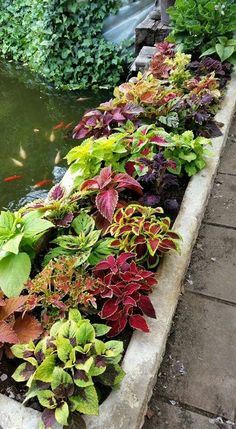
19, 349
47, 399
23, 372
113, 375
85, 334
74, 315
45, 370
14, 272
62, 414
114, 348
208, 52
63, 348
35, 225
12, 245
83, 223
85, 365
224, 52
101, 329
60, 377
86, 402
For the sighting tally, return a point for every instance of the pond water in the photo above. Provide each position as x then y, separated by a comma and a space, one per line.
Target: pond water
29, 147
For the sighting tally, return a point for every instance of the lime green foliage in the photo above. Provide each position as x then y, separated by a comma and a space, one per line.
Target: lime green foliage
62, 40
225, 49
86, 159
186, 152
196, 25
85, 245
178, 73
61, 370
18, 238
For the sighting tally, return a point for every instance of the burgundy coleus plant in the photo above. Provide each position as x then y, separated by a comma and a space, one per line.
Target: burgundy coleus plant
125, 288
107, 186
97, 123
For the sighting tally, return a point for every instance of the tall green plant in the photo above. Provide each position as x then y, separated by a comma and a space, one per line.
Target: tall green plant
197, 24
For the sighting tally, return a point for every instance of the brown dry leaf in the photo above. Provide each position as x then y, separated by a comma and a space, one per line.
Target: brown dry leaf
27, 328
7, 334
12, 305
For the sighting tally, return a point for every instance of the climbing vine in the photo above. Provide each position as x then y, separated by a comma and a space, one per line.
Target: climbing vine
62, 40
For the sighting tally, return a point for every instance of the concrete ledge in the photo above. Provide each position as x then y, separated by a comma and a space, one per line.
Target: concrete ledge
126, 407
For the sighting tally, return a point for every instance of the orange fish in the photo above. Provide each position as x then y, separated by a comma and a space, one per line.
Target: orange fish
42, 183
11, 178
59, 126
68, 125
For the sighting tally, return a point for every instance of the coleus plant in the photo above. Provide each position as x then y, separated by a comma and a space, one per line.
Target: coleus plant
61, 370
107, 186
19, 236
124, 288
97, 123
187, 153
16, 328
87, 159
137, 229
59, 287
208, 65
83, 242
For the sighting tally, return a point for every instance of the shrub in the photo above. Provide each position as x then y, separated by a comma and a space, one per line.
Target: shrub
62, 40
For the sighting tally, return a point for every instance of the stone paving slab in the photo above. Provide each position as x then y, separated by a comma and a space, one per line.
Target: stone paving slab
166, 416
222, 205
199, 367
228, 161
213, 266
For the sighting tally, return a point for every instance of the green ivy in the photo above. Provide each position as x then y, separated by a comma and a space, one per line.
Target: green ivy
62, 40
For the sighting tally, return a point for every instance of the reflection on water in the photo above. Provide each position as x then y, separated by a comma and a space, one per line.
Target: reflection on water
28, 112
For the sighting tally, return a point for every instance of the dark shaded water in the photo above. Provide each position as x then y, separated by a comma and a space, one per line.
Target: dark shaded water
28, 112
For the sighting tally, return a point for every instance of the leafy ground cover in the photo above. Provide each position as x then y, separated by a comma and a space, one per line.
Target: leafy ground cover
79, 267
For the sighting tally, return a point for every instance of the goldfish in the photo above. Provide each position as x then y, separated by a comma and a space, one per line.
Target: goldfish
59, 126
83, 98
17, 163
11, 178
42, 183
36, 130
57, 158
68, 125
22, 153
52, 137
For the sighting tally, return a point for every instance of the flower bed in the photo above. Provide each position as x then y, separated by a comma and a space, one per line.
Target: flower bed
96, 245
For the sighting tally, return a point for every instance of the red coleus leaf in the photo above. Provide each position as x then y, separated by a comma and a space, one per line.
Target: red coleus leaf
7, 334
146, 306
108, 263
123, 258
89, 185
27, 328
153, 245
118, 326
130, 301
109, 308
105, 177
106, 203
126, 181
167, 245
159, 141
137, 321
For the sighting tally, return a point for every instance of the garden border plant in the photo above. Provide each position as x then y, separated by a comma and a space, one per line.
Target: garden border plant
123, 151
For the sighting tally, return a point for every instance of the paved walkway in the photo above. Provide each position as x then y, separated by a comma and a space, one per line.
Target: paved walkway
196, 387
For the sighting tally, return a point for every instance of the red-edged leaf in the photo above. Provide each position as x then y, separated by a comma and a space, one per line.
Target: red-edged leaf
168, 244
153, 245
27, 328
90, 184
173, 235
12, 305
104, 177
154, 229
146, 306
159, 141
130, 301
118, 326
126, 181
138, 322
106, 203
107, 264
123, 258
109, 308
7, 334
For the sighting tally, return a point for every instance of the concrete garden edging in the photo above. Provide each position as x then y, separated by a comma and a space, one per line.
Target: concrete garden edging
126, 407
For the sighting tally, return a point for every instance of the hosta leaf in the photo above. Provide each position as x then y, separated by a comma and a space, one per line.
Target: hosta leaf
86, 401
14, 272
